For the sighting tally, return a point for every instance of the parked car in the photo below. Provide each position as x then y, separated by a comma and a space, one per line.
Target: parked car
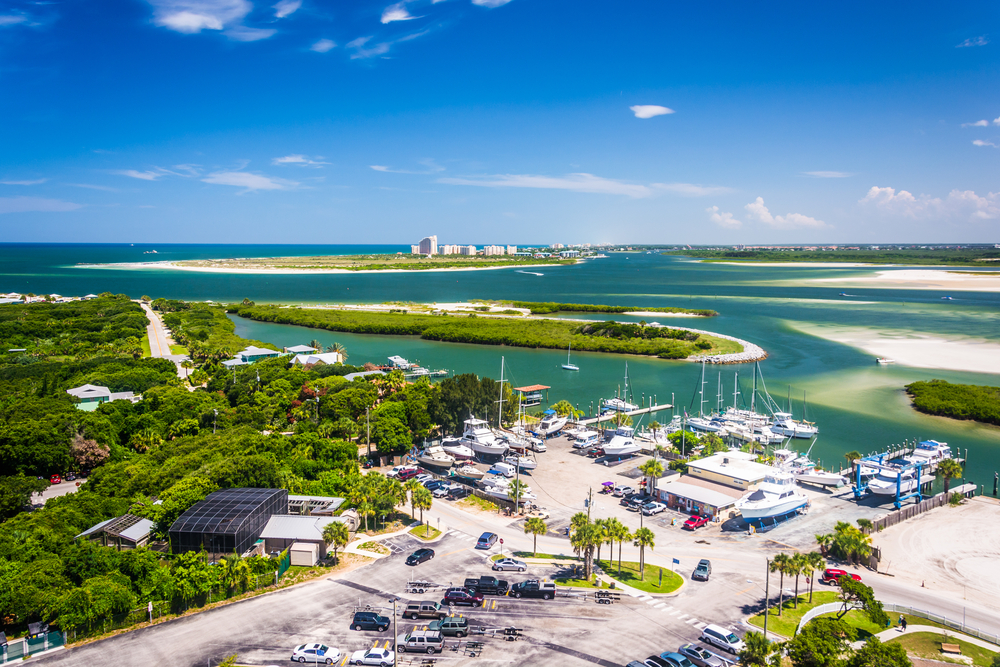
695, 521
487, 540
487, 585
407, 474
652, 508
434, 484
70, 477
370, 620
457, 626
533, 588
832, 575
701, 657
510, 564
316, 653
595, 453
459, 595
459, 492
441, 492
373, 656
633, 504
423, 609
55, 479
419, 556
398, 470
703, 571
724, 639
656, 661
673, 659
537, 514
420, 641
423, 478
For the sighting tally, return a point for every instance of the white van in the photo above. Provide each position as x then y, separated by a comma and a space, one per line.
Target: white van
505, 469
724, 639
534, 444
587, 439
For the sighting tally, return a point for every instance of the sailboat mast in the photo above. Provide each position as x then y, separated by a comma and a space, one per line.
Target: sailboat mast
736, 390
753, 396
718, 395
500, 412
701, 406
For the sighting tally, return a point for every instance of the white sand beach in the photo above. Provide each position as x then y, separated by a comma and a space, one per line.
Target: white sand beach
930, 279
274, 271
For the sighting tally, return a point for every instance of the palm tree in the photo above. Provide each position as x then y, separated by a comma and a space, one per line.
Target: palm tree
851, 456
422, 500
622, 534
339, 349
652, 469
780, 563
756, 650
795, 564
535, 527
584, 538
602, 526
949, 469
411, 486
336, 534
813, 563
514, 492
643, 538
315, 344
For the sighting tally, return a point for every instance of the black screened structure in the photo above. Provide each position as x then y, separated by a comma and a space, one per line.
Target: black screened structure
227, 520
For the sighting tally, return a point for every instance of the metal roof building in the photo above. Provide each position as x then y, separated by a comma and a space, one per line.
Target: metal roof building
227, 520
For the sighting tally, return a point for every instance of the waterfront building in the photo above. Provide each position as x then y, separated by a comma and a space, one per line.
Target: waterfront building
468, 250
733, 469
569, 253
512, 250
300, 349
329, 358
415, 249
692, 495
492, 250
557, 246
450, 249
429, 245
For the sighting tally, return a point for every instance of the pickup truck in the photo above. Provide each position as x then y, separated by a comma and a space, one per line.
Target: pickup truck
532, 588
488, 585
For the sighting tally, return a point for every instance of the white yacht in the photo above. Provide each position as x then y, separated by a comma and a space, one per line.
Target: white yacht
885, 483
569, 365
469, 471
776, 496
502, 492
622, 443
454, 447
705, 424
618, 405
930, 451
783, 424
551, 424
480, 437
522, 462
436, 456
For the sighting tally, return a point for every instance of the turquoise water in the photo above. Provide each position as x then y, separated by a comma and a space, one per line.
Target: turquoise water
857, 404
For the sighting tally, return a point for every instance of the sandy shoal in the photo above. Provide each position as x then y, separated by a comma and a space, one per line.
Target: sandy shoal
922, 279
912, 348
276, 271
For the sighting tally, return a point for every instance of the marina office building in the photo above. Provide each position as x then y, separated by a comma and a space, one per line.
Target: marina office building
732, 469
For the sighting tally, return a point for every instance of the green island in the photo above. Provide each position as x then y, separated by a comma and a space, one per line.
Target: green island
547, 308
958, 401
393, 262
912, 256
663, 342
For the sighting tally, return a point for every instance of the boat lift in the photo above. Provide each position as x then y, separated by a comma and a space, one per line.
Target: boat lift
877, 461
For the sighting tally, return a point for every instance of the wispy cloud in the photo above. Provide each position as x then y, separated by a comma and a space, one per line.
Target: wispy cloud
973, 41
362, 50
397, 12
193, 16
141, 175
35, 204
723, 219
323, 45
431, 167
286, 8
12, 19
35, 182
980, 142
242, 33
573, 182
828, 174
298, 161
250, 182
978, 123
91, 186
650, 110
759, 212
691, 189
959, 203
490, 4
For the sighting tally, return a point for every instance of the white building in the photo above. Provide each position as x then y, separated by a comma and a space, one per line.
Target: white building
429, 245
491, 250
415, 249
468, 249
557, 246
450, 250
512, 250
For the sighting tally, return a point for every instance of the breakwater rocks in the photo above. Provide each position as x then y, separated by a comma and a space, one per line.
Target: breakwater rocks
749, 354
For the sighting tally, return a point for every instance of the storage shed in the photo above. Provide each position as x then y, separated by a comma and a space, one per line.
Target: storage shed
305, 554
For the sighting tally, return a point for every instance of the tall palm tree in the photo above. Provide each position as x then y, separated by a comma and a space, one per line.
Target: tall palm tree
315, 344
949, 469
584, 539
422, 500
851, 456
339, 349
336, 534
535, 526
755, 650
515, 491
602, 526
411, 486
622, 534
780, 564
643, 538
652, 469
795, 565
814, 562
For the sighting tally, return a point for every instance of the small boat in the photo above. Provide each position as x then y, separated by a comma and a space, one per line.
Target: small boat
930, 451
844, 294
469, 471
776, 496
809, 475
703, 424
783, 424
522, 462
618, 405
436, 456
888, 481
552, 423
569, 366
884, 361
622, 443
947, 298
455, 448
480, 437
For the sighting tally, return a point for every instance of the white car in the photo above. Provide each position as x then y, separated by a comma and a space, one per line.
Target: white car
373, 656
441, 492
423, 478
316, 654
510, 564
724, 639
651, 508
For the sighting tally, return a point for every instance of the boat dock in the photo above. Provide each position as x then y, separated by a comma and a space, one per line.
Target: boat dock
608, 416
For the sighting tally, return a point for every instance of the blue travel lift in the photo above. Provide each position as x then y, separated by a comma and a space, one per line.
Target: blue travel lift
878, 461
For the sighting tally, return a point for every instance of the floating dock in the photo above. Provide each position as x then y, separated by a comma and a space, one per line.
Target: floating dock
609, 416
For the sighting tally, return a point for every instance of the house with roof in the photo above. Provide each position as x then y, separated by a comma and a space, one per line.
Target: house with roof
300, 349
734, 469
318, 358
124, 532
90, 396
250, 354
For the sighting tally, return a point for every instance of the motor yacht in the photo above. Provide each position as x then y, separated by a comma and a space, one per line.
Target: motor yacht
436, 456
931, 451
456, 448
522, 462
783, 424
776, 496
551, 424
480, 437
705, 424
622, 443
888, 481
469, 471
618, 405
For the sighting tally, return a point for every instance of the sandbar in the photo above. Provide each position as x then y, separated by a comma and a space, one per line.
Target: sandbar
929, 279
275, 271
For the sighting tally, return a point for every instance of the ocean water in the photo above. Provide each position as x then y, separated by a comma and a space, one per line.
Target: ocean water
857, 404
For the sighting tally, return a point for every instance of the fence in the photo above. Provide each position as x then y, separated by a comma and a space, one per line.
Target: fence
18, 649
958, 626
818, 610
910, 511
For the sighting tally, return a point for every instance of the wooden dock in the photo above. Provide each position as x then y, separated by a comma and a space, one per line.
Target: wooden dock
631, 413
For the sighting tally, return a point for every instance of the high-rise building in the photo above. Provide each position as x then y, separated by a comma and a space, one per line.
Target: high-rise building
468, 249
491, 250
557, 246
512, 250
415, 249
429, 245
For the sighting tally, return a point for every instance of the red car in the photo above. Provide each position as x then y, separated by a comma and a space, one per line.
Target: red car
55, 479
461, 595
407, 474
695, 522
832, 575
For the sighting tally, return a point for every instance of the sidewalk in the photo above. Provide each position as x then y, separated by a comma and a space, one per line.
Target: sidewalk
353, 547
911, 628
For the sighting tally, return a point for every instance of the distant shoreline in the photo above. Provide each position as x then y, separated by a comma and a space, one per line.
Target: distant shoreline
926, 279
273, 271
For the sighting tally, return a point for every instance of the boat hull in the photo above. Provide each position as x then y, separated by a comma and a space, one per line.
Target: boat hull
820, 479
755, 511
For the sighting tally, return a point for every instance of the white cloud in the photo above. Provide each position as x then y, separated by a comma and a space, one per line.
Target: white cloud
242, 33
973, 41
142, 175
250, 182
650, 110
298, 160
431, 168
996, 121
36, 182
980, 142
691, 189
12, 19
978, 123
490, 3
35, 204
573, 182
958, 204
379, 167
91, 186
723, 219
286, 8
193, 16
397, 12
323, 45
828, 174
760, 213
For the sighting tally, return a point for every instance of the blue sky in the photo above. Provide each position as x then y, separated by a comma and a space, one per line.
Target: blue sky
500, 121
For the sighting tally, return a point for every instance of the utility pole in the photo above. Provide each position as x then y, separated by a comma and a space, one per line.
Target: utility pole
395, 649
767, 592
215, 421
590, 501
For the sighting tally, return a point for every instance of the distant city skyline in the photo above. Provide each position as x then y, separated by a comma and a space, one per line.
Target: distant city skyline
240, 121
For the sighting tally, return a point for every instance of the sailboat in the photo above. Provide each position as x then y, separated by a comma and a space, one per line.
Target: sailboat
570, 366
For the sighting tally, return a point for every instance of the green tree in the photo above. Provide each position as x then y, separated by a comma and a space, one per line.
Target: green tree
876, 654
619, 532
821, 643
411, 486
759, 651
949, 469
566, 409
846, 542
535, 526
795, 566
515, 492
584, 538
602, 526
813, 563
653, 470
643, 538
851, 457
96, 601
16, 492
337, 535
422, 500
856, 595
780, 564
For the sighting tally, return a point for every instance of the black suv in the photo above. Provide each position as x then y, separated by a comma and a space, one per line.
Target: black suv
370, 620
457, 493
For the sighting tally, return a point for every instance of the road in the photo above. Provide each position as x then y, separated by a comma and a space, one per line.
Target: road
55, 490
160, 342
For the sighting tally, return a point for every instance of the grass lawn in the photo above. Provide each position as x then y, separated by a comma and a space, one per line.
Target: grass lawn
175, 349
532, 554
374, 547
649, 583
928, 645
582, 583
479, 503
145, 347
425, 532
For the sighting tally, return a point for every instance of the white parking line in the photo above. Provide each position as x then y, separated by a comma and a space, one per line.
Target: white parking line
675, 612
683, 616
691, 620
700, 625
650, 601
659, 605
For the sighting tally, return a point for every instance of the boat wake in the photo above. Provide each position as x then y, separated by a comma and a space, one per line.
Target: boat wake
531, 273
